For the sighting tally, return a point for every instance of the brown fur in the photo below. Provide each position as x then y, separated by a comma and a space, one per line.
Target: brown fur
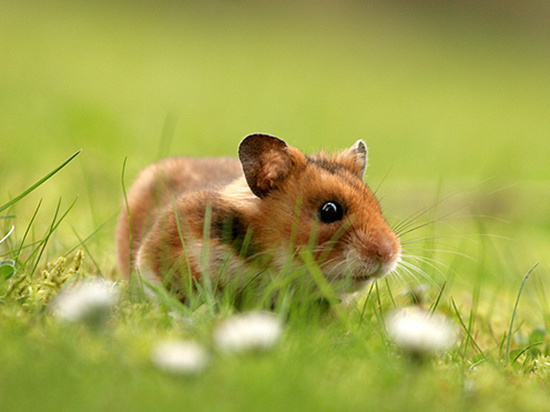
158, 186
276, 204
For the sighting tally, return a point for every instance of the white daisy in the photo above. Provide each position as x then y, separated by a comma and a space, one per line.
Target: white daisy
179, 357
88, 301
420, 332
253, 331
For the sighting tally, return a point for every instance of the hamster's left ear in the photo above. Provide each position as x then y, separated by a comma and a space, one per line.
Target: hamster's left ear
358, 154
267, 161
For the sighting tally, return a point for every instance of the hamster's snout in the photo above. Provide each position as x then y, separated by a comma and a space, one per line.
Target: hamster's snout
384, 250
374, 258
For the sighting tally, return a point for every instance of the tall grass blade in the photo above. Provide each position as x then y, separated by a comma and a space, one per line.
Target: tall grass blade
187, 262
8, 235
167, 135
507, 353
390, 292
28, 229
55, 224
438, 299
313, 268
470, 337
40, 182
362, 316
521, 352
473, 311
82, 241
127, 206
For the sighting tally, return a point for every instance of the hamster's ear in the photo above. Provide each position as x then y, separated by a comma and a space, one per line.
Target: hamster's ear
267, 162
358, 154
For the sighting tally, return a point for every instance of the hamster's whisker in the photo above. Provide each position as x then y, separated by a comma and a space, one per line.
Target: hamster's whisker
435, 263
419, 258
333, 259
383, 179
432, 263
402, 231
405, 223
397, 274
409, 272
406, 266
444, 251
424, 239
335, 268
411, 269
342, 263
406, 276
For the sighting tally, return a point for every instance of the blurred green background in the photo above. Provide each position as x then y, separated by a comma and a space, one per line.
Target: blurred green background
452, 98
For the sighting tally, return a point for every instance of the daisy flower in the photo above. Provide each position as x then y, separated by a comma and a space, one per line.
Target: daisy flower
179, 357
253, 331
88, 301
420, 332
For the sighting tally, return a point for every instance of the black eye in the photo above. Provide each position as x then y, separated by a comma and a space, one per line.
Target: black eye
331, 212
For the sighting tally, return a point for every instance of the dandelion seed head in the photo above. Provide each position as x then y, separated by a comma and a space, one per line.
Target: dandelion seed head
420, 332
254, 331
179, 357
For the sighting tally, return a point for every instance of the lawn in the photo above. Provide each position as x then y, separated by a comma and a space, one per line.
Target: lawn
453, 104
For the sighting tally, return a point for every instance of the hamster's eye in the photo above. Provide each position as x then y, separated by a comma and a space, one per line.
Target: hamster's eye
331, 212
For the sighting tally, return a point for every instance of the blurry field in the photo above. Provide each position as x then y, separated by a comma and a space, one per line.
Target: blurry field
453, 103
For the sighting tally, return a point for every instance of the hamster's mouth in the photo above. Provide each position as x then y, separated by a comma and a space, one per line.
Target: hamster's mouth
353, 278
363, 272
354, 272
362, 279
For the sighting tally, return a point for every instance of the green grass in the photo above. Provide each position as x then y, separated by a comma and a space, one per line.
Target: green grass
453, 104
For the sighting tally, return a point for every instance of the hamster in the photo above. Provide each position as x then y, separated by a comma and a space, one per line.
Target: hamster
257, 211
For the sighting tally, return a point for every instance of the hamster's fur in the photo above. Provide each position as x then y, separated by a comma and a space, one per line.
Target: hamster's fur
271, 203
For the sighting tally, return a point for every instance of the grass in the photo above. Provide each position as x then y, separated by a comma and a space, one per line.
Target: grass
328, 359
453, 106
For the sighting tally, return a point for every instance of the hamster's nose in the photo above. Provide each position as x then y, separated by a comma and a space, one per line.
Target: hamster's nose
385, 250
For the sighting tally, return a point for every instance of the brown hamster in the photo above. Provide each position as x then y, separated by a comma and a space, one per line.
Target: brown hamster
260, 209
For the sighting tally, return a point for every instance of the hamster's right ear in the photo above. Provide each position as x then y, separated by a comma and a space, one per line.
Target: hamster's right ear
267, 161
358, 153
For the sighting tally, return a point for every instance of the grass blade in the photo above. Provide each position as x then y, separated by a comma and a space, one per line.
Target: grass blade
317, 275
469, 337
81, 241
54, 225
436, 303
167, 135
28, 229
127, 206
8, 235
507, 353
362, 316
83, 244
40, 182
526, 349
